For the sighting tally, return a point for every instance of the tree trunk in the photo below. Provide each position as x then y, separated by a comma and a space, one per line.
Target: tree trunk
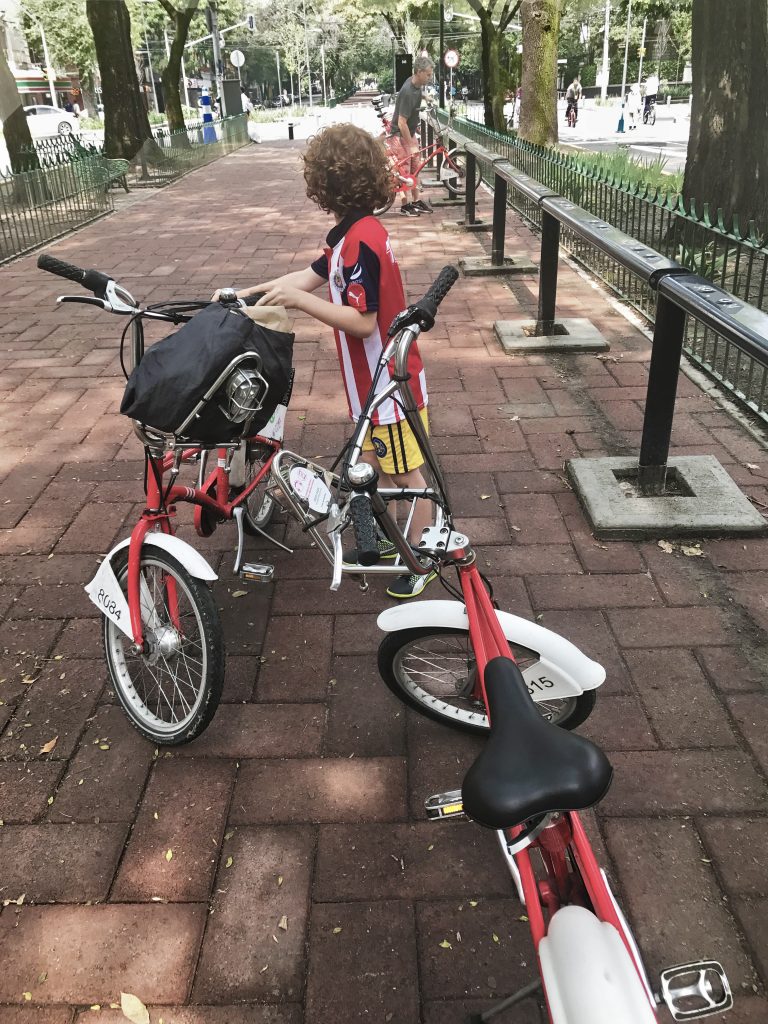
538, 103
172, 74
18, 139
126, 123
727, 164
492, 76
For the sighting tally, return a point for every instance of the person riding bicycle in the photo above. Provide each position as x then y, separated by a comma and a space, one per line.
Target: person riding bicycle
572, 96
651, 92
347, 175
405, 120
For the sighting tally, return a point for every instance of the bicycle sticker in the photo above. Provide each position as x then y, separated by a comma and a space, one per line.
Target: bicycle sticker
275, 427
310, 489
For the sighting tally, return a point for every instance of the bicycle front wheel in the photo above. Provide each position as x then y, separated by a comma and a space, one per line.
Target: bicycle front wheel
456, 184
433, 671
171, 691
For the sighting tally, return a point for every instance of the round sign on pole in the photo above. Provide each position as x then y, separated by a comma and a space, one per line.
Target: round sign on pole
451, 59
237, 58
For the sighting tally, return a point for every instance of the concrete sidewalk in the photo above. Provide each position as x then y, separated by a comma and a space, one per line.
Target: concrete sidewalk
304, 798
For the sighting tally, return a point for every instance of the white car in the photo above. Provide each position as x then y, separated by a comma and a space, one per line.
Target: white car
44, 121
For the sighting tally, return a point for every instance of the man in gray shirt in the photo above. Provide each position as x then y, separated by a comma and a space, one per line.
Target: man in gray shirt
405, 121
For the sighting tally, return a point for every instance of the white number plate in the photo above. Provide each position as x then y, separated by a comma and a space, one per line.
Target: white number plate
105, 592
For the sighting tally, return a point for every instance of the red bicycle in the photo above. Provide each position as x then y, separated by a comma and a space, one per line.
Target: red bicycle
451, 164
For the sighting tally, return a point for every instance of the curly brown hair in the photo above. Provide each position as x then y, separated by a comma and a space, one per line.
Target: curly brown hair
345, 169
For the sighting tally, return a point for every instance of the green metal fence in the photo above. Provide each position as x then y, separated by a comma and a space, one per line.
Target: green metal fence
167, 157
734, 258
37, 206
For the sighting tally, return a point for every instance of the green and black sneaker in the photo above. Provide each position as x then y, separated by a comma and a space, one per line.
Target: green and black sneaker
410, 584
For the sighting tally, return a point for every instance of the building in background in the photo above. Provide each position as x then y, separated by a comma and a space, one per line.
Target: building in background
31, 77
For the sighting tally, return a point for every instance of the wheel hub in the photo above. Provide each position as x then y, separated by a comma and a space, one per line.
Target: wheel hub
163, 642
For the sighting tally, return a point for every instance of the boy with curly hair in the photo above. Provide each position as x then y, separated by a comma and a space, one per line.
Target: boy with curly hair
347, 175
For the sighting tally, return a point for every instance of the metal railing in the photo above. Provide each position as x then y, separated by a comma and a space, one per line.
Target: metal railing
38, 206
734, 259
681, 298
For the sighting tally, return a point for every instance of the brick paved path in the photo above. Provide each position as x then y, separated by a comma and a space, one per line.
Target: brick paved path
304, 798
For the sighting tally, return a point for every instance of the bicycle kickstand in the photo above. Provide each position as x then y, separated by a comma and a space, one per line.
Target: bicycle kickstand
516, 997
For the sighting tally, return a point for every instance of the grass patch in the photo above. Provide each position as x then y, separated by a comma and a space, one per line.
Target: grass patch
622, 167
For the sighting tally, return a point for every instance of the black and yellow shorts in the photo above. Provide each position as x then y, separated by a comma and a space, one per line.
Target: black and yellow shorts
395, 446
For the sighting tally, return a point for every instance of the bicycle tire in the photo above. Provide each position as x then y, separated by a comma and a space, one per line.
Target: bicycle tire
259, 507
381, 210
466, 715
458, 186
129, 686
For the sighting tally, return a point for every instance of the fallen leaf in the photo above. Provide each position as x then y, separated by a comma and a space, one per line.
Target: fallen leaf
522, 918
692, 550
240, 593
279, 880
495, 937
445, 944
27, 995
50, 800
156, 816
168, 854
96, 1006
229, 862
484, 497
103, 746
42, 978
336, 930
666, 546
133, 1008
751, 465
283, 923
473, 903
264, 968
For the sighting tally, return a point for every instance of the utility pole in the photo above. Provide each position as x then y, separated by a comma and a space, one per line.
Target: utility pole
279, 83
642, 53
605, 71
306, 47
213, 24
440, 65
624, 72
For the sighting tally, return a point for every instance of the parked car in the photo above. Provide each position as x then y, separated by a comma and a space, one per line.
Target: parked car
44, 120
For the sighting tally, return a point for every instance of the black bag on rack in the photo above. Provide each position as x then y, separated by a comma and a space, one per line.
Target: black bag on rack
176, 372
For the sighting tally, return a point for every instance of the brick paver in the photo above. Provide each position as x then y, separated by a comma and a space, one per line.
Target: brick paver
303, 804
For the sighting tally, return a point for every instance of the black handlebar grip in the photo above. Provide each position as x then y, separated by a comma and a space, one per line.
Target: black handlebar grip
93, 280
364, 528
439, 288
60, 268
251, 300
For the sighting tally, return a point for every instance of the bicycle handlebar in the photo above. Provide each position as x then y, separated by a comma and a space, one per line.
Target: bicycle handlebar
94, 280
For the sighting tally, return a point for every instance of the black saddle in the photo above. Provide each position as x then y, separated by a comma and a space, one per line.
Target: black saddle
529, 766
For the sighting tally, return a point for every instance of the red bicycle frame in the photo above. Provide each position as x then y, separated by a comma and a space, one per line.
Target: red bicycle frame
566, 833
154, 519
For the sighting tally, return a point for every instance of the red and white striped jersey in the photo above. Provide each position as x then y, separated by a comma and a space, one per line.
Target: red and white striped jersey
362, 272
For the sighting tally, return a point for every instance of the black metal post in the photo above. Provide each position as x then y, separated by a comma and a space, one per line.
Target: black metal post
469, 210
499, 221
430, 138
550, 253
664, 370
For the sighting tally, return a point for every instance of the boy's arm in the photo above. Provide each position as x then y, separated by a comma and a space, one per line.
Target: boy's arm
303, 280
343, 318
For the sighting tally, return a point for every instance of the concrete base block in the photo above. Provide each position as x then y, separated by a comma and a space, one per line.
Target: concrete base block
575, 334
459, 225
702, 500
482, 267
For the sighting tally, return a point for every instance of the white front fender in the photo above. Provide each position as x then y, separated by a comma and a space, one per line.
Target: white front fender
560, 663
105, 591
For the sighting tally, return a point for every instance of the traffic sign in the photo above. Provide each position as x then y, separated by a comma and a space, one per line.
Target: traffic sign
237, 58
451, 59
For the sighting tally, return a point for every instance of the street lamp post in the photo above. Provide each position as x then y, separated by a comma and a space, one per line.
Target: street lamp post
46, 57
306, 47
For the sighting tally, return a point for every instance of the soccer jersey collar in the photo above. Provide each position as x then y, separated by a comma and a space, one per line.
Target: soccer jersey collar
338, 231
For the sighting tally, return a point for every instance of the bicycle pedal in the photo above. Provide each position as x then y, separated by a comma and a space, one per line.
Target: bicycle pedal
695, 990
445, 805
257, 572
